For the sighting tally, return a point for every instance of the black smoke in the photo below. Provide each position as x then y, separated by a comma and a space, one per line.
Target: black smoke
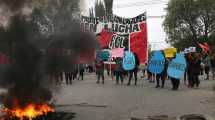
26, 79
14, 5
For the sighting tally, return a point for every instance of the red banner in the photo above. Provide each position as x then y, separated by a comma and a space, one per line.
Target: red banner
139, 44
137, 41
117, 32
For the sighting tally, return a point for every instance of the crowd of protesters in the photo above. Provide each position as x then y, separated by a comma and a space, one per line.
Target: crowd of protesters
197, 65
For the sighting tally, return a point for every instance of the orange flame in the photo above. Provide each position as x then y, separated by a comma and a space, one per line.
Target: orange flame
30, 111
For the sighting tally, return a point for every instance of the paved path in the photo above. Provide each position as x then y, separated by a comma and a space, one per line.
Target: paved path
124, 102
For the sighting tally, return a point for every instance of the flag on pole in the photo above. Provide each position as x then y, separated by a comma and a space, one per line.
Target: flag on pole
205, 47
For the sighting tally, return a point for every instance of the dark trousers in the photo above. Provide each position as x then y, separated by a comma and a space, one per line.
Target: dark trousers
119, 75
194, 80
68, 76
207, 71
175, 83
100, 75
81, 74
131, 75
161, 77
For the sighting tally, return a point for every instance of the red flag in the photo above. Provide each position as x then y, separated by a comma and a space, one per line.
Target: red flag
105, 38
205, 47
138, 43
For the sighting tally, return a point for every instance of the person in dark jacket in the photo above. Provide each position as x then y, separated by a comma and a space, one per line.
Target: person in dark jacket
134, 71
81, 71
100, 71
189, 60
119, 70
195, 70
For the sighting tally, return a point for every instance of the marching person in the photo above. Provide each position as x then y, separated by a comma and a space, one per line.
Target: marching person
162, 76
100, 71
134, 71
195, 70
81, 71
213, 65
119, 70
175, 82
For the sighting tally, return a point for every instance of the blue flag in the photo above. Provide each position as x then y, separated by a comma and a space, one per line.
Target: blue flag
157, 62
128, 61
177, 67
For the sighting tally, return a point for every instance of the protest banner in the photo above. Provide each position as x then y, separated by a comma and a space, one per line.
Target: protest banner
118, 32
177, 67
117, 52
103, 55
156, 62
128, 61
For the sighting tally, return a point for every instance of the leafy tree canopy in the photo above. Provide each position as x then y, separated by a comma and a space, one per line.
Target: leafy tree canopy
189, 22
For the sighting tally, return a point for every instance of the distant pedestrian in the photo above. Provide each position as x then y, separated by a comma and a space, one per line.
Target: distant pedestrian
213, 66
68, 73
81, 71
207, 66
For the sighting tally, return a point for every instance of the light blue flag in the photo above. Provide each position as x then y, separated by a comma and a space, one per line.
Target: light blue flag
157, 62
177, 67
128, 61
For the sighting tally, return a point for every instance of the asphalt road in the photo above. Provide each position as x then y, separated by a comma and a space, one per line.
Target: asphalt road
93, 101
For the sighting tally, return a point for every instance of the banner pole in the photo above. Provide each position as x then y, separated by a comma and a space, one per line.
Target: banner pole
110, 68
129, 44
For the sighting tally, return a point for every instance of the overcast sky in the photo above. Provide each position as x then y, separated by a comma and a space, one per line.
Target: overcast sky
132, 8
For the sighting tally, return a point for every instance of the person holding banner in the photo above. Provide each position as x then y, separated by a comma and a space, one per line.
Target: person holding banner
134, 71
100, 71
162, 76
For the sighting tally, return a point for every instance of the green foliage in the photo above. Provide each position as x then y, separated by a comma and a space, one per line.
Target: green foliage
189, 22
55, 16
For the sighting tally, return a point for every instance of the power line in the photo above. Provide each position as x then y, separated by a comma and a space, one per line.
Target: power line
160, 16
145, 3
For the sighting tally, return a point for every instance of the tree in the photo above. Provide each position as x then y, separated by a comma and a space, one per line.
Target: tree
189, 22
99, 9
56, 16
109, 6
102, 8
